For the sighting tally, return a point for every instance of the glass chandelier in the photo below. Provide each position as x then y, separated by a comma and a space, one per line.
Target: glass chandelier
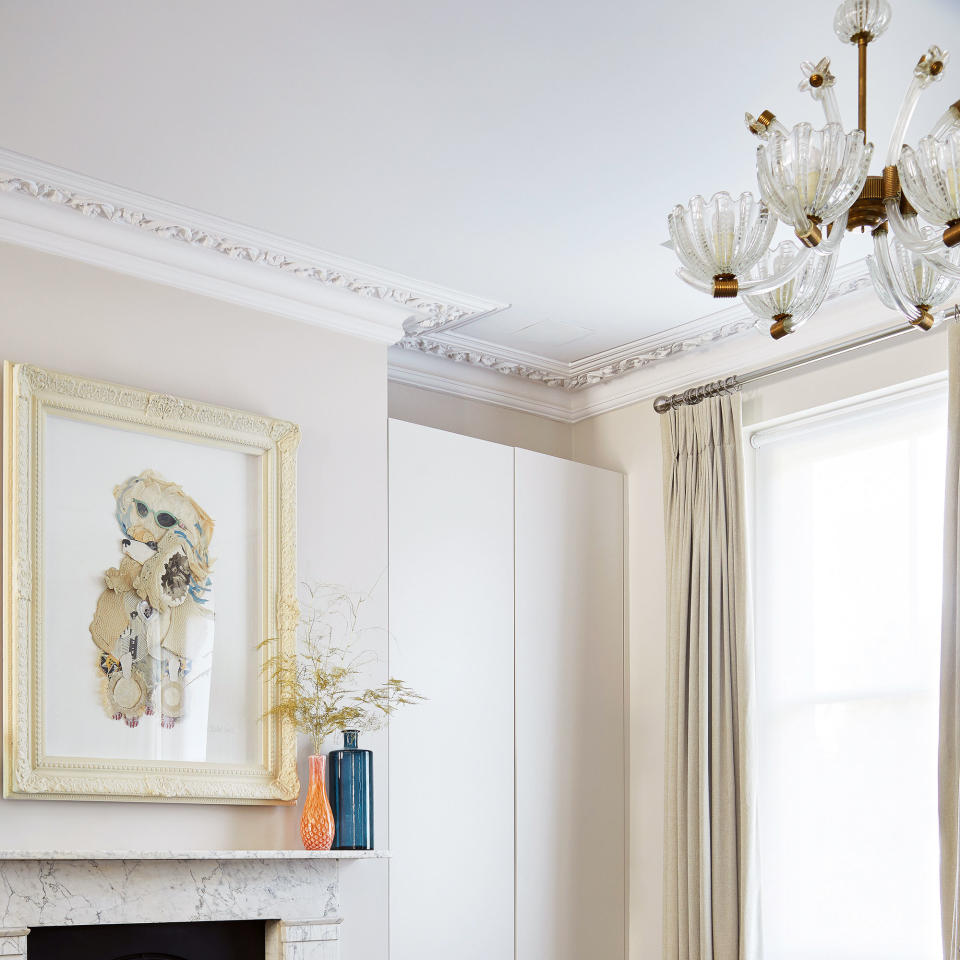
818, 182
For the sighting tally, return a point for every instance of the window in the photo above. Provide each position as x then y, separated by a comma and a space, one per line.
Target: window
847, 532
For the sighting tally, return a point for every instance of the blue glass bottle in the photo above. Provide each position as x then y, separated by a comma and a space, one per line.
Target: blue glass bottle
351, 795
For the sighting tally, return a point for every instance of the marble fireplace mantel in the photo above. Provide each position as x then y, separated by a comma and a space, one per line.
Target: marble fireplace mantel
295, 891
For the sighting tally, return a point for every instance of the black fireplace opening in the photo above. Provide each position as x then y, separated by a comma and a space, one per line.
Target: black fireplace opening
227, 940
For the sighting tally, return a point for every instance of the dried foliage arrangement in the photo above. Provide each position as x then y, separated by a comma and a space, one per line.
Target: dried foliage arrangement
320, 688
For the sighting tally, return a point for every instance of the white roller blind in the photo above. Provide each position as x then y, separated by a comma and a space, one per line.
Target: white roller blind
847, 529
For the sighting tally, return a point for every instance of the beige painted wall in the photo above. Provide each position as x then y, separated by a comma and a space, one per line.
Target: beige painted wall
629, 440
91, 322
485, 421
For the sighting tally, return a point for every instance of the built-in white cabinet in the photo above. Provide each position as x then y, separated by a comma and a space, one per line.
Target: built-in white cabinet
507, 786
451, 758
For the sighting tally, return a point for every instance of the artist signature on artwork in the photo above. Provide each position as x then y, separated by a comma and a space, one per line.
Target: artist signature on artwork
221, 728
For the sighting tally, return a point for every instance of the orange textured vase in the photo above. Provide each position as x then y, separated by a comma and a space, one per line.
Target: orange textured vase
316, 824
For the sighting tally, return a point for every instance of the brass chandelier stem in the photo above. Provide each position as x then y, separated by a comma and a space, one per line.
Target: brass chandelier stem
863, 39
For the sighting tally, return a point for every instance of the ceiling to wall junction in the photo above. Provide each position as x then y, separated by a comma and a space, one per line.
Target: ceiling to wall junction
523, 152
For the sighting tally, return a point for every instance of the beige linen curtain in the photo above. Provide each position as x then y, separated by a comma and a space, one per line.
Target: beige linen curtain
710, 891
950, 671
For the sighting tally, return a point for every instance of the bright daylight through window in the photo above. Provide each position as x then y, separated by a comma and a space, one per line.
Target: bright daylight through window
847, 527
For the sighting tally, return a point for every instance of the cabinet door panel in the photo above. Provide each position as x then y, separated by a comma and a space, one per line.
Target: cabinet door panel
451, 758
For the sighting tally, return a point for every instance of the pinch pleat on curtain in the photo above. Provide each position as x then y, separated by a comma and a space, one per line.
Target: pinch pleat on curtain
949, 772
710, 894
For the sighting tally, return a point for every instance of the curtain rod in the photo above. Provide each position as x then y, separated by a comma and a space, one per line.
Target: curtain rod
730, 384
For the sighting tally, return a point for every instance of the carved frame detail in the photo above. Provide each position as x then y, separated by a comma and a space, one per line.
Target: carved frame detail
31, 392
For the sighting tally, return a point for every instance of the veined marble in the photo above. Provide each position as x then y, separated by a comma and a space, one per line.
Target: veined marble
298, 894
192, 855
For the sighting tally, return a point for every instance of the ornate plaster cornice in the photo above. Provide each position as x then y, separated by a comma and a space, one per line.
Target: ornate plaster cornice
662, 363
67, 213
480, 357
427, 307
574, 378
458, 346
663, 351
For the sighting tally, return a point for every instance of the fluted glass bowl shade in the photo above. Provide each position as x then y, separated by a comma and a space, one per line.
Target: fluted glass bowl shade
919, 282
812, 173
791, 305
854, 17
722, 235
930, 177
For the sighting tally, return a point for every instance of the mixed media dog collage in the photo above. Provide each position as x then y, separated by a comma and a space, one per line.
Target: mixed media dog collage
154, 621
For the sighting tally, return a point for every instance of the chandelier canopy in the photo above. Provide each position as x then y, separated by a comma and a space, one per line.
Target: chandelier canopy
818, 182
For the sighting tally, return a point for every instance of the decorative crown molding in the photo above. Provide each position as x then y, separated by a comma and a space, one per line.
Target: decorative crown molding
630, 358
322, 279
482, 356
58, 211
578, 375
458, 346
425, 371
571, 392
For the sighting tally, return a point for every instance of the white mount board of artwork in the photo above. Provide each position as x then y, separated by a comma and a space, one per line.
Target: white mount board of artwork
83, 463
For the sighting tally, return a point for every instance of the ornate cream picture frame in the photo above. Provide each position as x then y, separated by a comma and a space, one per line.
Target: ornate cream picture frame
125, 513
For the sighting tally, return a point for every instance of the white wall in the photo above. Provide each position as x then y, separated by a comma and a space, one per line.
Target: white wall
628, 440
476, 418
91, 322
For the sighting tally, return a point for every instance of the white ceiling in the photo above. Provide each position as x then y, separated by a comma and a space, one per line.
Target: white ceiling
525, 152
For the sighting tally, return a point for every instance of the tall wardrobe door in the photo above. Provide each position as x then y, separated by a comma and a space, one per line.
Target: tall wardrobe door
451, 757
571, 809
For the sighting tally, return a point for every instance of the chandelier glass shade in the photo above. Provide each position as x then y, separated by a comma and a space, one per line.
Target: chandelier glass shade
721, 237
861, 16
908, 282
817, 181
809, 177
930, 177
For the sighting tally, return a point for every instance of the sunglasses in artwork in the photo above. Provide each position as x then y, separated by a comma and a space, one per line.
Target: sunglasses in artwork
163, 518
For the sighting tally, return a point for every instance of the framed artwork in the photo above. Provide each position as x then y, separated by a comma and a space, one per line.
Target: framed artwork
149, 571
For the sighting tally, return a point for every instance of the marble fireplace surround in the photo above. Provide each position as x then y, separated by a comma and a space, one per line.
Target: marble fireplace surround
295, 891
